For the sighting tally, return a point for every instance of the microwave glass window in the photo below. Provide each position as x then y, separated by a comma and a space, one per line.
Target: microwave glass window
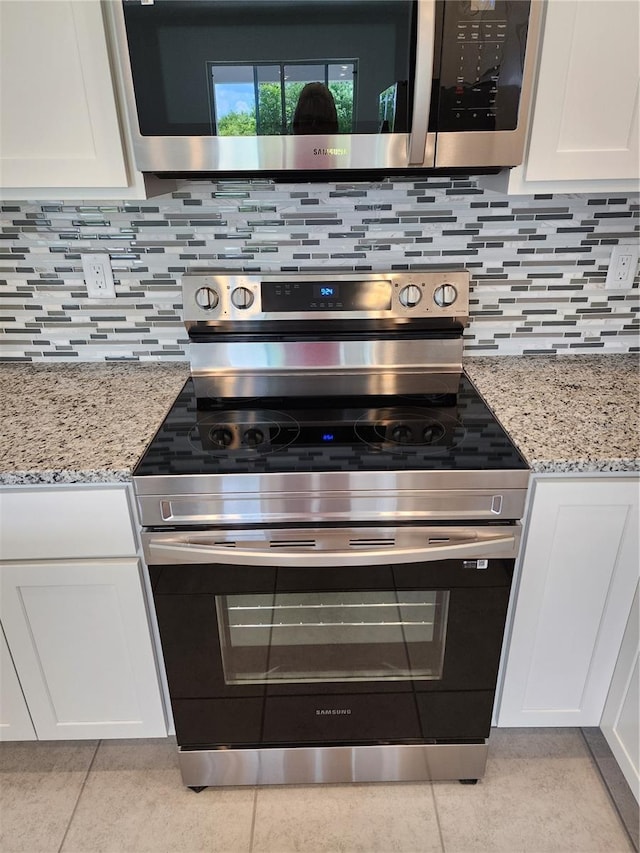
339, 636
211, 67
277, 99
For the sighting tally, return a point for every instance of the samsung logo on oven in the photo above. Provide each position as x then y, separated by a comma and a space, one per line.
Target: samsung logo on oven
329, 151
332, 712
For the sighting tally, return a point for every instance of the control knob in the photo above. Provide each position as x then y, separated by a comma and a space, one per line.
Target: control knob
445, 295
242, 297
410, 295
207, 298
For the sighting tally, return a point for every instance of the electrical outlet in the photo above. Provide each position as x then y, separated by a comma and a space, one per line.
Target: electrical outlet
622, 267
98, 275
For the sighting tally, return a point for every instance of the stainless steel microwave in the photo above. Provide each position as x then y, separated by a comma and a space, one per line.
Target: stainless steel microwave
286, 87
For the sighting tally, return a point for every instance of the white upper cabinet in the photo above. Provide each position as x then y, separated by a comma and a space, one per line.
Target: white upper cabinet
60, 134
584, 124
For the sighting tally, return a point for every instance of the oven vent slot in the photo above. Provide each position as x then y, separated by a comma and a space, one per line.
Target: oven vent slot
220, 543
293, 543
438, 540
372, 543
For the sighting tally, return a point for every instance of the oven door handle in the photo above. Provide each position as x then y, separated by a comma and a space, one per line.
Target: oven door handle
485, 545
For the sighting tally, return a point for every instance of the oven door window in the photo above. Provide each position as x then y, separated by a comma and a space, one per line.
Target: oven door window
339, 636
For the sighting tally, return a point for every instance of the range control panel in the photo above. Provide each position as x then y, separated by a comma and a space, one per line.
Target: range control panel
238, 296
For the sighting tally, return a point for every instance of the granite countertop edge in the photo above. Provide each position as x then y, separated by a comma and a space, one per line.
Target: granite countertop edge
586, 466
66, 476
123, 477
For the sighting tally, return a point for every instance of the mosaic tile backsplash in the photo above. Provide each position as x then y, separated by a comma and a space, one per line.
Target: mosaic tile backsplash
538, 264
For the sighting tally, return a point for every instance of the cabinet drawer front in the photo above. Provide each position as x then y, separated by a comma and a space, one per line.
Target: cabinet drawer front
60, 523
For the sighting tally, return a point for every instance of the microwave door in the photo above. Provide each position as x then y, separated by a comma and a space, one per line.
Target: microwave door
186, 66
422, 144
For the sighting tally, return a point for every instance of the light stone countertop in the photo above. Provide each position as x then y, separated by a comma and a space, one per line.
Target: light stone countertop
576, 413
89, 423
81, 423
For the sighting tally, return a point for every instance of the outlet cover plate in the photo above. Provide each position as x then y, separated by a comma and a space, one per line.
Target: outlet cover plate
98, 275
622, 267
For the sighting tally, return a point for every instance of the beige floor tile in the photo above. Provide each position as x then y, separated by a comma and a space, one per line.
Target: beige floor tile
39, 787
134, 802
397, 818
541, 794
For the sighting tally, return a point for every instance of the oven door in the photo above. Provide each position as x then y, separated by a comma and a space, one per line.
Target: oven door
341, 635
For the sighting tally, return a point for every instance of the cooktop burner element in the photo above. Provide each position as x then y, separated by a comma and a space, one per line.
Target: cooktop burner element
410, 427
258, 431
248, 431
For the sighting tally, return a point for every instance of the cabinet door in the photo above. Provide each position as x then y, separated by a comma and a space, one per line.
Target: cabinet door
575, 588
15, 722
59, 122
79, 636
620, 722
585, 118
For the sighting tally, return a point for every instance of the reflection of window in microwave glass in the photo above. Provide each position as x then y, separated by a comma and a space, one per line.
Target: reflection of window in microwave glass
340, 636
260, 100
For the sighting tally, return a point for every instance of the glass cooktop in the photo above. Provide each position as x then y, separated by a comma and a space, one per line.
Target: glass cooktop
440, 431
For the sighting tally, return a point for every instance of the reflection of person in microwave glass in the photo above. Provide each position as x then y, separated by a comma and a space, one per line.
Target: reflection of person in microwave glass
315, 111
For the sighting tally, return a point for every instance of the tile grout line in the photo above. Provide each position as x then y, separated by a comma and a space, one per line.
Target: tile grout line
84, 782
435, 808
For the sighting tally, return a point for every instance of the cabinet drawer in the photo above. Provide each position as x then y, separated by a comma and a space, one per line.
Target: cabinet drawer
59, 523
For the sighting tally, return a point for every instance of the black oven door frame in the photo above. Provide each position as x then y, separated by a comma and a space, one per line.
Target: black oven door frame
454, 705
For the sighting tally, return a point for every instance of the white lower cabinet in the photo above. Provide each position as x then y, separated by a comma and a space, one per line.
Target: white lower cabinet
620, 722
77, 628
15, 722
573, 595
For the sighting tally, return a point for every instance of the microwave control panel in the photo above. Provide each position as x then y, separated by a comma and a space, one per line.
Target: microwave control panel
482, 64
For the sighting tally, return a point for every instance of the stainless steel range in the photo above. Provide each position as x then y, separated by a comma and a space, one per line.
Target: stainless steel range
330, 517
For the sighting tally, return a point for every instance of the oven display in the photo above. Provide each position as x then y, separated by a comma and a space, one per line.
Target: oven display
291, 297
325, 291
